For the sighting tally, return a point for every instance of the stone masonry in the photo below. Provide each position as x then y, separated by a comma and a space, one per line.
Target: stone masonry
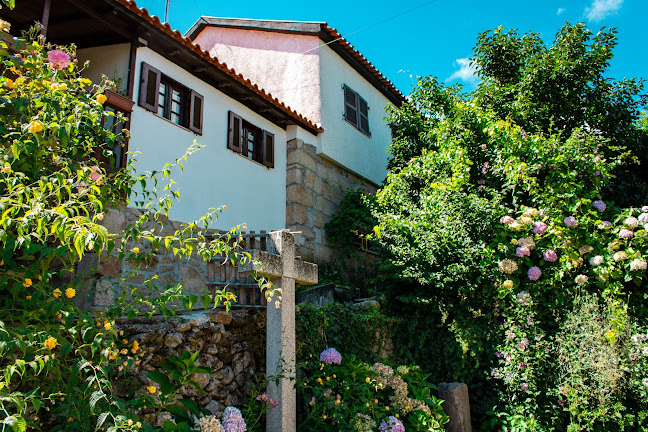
314, 188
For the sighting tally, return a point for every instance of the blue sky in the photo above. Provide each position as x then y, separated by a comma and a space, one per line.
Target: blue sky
437, 38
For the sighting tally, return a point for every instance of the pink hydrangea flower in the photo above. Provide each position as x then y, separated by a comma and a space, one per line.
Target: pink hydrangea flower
599, 205
507, 220
644, 209
534, 273
58, 59
331, 356
522, 251
605, 224
539, 228
643, 218
570, 221
624, 233
550, 255
233, 420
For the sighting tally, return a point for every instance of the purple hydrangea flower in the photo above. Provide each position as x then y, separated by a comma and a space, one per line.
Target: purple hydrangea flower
643, 218
233, 420
331, 356
534, 273
522, 251
391, 425
539, 228
550, 255
605, 224
570, 221
625, 233
599, 205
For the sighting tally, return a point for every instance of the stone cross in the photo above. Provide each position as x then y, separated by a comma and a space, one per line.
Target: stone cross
284, 271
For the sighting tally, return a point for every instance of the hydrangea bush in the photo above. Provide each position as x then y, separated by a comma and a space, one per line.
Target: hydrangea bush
340, 393
496, 235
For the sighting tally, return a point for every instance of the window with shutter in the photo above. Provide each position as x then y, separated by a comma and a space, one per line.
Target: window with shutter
356, 110
149, 87
170, 99
250, 141
195, 112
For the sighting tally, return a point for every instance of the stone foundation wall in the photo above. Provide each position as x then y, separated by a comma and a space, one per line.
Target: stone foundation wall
231, 344
314, 188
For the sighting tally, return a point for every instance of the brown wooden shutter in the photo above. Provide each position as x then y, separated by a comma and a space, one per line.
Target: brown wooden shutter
235, 132
149, 87
350, 106
363, 111
196, 112
268, 149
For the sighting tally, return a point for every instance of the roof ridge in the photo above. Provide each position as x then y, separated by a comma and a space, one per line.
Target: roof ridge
166, 27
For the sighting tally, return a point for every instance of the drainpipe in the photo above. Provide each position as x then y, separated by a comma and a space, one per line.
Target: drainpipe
45, 19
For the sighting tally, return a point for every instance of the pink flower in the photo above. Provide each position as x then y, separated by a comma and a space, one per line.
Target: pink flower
483, 146
524, 386
58, 59
95, 173
507, 220
331, 356
522, 251
539, 228
534, 273
273, 403
624, 233
570, 221
599, 205
550, 255
312, 402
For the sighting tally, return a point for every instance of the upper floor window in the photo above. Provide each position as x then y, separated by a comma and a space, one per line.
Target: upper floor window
170, 99
250, 141
356, 110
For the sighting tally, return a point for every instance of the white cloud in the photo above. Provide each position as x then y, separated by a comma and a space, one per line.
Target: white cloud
560, 11
465, 73
602, 9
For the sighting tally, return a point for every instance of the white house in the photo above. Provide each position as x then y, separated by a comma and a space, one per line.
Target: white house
281, 141
312, 68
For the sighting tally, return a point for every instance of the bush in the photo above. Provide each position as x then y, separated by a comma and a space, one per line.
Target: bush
344, 394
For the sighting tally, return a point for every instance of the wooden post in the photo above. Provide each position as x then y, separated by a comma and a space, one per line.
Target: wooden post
45, 20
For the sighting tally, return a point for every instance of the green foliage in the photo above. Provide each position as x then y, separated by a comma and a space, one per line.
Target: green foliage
481, 195
355, 330
346, 396
353, 219
58, 362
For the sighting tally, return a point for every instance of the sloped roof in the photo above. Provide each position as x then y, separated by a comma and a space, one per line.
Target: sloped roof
322, 30
230, 72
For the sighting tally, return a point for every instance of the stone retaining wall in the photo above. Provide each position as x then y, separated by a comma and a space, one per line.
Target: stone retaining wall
314, 188
231, 344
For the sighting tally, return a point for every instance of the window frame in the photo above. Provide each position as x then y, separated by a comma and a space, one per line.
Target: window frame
237, 133
355, 107
192, 105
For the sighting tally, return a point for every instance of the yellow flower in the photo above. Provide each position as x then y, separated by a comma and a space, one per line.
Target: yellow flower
57, 293
328, 378
35, 127
9, 83
337, 402
397, 415
319, 380
101, 98
334, 376
50, 343
28, 297
100, 216
367, 404
107, 325
27, 283
135, 347
124, 341
151, 389
86, 81
58, 315
387, 408
136, 250
70, 292
368, 380
375, 401
324, 417
123, 351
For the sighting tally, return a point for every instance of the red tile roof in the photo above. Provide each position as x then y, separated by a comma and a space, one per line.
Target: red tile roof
166, 28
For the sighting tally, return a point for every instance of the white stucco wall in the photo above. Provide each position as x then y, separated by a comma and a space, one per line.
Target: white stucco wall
111, 61
287, 66
213, 176
342, 142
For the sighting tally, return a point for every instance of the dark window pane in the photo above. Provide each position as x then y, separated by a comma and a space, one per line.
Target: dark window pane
351, 115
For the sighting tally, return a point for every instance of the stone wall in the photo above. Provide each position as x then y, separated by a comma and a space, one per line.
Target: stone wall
231, 344
314, 188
